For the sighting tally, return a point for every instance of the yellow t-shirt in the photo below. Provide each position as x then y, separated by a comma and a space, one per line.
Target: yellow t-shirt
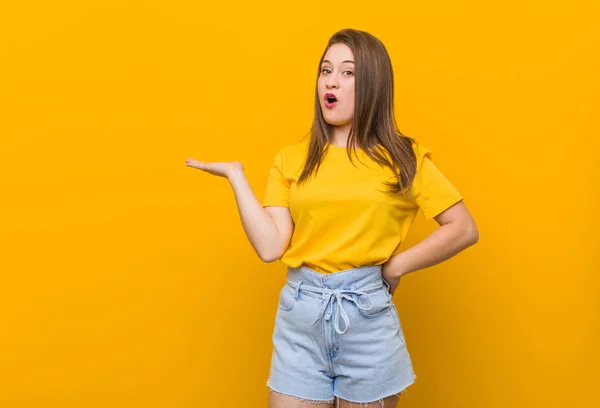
343, 216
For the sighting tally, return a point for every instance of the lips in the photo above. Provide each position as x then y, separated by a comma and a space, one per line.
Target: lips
329, 97
330, 100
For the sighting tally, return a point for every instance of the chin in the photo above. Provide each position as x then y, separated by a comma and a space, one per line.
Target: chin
337, 122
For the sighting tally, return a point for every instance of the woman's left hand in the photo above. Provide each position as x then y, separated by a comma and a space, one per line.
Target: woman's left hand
391, 277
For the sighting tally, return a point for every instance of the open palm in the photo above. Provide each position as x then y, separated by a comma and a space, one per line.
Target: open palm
222, 169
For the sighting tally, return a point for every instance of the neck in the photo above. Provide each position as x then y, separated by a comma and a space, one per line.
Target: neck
340, 135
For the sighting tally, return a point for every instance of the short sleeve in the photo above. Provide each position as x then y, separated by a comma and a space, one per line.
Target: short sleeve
278, 188
432, 191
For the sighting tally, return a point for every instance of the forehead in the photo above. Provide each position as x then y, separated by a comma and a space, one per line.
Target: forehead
338, 53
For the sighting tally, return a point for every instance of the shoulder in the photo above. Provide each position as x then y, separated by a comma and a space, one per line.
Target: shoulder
294, 152
421, 151
292, 155
295, 149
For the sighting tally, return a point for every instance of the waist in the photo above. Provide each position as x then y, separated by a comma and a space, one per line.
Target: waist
362, 278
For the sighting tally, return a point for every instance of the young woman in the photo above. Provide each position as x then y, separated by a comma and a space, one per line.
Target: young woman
336, 209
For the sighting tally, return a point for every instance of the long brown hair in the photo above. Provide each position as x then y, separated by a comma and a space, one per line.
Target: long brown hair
373, 124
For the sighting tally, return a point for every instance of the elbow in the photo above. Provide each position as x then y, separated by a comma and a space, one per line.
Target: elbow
269, 257
472, 235
272, 252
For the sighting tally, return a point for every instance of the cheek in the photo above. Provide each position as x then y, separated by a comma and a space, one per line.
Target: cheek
350, 102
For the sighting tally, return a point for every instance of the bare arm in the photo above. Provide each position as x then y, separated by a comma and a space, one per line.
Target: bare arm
268, 229
457, 231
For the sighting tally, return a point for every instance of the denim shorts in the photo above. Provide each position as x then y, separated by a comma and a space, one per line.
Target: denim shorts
338, 335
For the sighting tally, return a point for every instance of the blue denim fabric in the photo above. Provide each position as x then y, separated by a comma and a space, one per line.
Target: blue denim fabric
338, 334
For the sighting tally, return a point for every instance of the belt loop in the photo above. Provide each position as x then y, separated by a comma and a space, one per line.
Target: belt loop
297, 294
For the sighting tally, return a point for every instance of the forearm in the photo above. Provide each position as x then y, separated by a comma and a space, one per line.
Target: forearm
258, 224
442, 244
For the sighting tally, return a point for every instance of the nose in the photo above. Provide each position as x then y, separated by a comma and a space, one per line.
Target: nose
332, 82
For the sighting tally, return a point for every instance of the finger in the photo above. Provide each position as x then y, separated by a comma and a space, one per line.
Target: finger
197, 164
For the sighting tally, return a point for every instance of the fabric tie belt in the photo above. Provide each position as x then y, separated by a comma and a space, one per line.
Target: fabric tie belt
333, 296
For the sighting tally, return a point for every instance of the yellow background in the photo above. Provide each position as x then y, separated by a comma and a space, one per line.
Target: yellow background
127, 279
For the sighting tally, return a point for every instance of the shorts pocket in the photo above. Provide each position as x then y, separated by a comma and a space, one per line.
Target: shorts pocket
287, 298
380, 304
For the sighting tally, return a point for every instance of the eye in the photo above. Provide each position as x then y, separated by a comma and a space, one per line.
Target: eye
324, 70
350, 73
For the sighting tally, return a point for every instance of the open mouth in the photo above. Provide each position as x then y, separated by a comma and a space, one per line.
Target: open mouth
330, 100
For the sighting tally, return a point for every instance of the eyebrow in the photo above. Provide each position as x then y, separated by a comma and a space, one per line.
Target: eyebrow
350, 61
